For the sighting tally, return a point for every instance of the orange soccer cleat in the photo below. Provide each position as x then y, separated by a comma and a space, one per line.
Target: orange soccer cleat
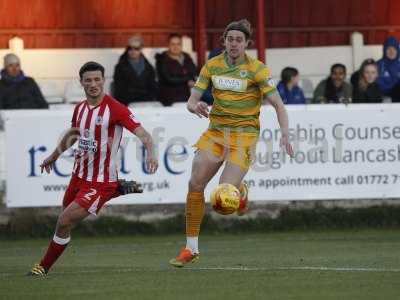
184, 257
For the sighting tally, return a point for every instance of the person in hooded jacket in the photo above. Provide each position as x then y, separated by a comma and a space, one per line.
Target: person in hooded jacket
176, 72
18, 91
389, 69
134, 76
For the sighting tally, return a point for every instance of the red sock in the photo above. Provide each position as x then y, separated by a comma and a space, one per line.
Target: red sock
55, 249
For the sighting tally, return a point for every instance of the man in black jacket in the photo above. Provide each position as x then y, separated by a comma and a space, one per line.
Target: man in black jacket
176, 72
18, 91
134, 77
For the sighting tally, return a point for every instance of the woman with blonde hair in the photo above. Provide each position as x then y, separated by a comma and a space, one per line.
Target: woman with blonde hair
365, 86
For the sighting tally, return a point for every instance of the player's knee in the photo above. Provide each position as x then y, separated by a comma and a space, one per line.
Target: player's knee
64, 223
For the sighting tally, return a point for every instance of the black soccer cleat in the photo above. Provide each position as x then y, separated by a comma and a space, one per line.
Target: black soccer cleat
129, 187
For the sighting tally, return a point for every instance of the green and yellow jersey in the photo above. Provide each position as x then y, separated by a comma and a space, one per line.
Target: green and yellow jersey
237, 90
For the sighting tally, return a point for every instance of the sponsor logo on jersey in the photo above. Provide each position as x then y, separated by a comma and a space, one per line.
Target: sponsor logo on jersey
229, 83
87, 145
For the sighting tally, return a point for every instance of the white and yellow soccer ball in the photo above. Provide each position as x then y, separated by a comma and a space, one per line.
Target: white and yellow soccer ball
225, 199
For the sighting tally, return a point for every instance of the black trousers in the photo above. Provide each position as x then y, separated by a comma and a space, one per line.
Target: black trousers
395, 93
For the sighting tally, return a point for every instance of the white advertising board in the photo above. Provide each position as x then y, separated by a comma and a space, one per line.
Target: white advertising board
342, 152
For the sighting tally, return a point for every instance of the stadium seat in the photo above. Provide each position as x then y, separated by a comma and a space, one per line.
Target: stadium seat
307, 86
145, 104
50, 91
73, 92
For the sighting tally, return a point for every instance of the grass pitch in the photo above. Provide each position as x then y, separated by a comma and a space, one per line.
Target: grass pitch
295, 265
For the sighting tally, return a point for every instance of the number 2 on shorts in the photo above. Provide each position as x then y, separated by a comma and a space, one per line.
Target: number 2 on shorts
90, 194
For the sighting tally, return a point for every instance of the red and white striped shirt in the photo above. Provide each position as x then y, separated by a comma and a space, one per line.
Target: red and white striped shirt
100, 136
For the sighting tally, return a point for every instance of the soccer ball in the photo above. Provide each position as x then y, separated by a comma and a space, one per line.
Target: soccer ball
225, 199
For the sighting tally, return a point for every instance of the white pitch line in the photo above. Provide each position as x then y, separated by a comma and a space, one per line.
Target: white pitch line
240, 269
342, 269
305, 268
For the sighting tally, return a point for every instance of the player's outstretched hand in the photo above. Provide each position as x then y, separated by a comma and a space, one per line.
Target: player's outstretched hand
151, 165
47, 164
285, 144
200, 109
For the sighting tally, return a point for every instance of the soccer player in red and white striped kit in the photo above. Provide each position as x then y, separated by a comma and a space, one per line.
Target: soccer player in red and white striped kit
97, 125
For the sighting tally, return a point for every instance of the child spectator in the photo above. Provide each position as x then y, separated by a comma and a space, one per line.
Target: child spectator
288, 87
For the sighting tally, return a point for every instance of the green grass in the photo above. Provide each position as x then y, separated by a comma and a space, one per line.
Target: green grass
264, 267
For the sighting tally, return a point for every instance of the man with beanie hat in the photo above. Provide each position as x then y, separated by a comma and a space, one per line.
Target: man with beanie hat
18, 91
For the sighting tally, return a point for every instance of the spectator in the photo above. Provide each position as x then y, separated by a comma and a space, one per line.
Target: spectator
365, 87
134, 77
176, 72
207, 96
334, 89
18, 91
389, 70
289, 88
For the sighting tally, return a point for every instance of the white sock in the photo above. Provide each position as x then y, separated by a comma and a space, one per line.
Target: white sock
192, 243
61, 241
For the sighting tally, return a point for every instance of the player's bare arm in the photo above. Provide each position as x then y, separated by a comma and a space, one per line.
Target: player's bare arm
147, 140
195, 106
276, 101
67, 141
